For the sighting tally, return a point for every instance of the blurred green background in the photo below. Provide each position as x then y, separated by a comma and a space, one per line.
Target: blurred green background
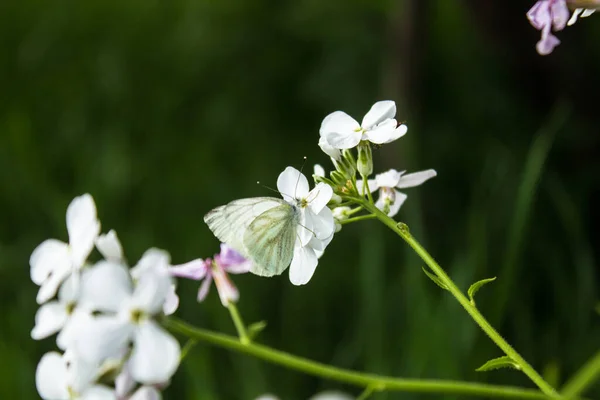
163, 110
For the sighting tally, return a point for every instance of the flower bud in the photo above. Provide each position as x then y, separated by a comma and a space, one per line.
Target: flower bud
365, 159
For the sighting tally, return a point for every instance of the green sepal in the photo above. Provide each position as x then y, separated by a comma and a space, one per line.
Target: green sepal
435, 279
497, 363
476, 286
255, 329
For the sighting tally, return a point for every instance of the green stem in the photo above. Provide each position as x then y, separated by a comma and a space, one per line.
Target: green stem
586, 376
351, 377
186, 349
366, 393
402, 231
355, 219
239, 324
367, 189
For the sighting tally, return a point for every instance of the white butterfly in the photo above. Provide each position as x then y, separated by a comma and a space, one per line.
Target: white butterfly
273, 232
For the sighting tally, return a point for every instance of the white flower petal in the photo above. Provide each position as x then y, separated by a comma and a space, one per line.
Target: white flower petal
319, 197
151, 259
74, 324
49, 319
124, 383
387, 179
318, 171
373, 186
83, 227
50, 285
172, 301
398, 133
98, 392
292, 184
49, 255
151, 291
378, 113
305, 229
69, 290
50, 377
146, 393
328, 149
103, 337
155, 354
395, 206
110, 246
339, 122
382, 133
323, 224
344, 141
106, 286
415, 179
303, 265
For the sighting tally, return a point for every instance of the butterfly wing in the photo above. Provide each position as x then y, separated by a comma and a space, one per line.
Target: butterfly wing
229, 222
269, 240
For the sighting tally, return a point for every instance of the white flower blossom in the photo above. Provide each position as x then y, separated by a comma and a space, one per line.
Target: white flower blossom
53, 261
315, 228
129, 319
63, 315
390, 200
68, 377
378, 126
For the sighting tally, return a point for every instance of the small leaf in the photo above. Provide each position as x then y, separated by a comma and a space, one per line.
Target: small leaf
435, 279
256, 328
497, 363
476, 286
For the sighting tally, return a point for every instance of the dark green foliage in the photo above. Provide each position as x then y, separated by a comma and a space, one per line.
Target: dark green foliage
163, 110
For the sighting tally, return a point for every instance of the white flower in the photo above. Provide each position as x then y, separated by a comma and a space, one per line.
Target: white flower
341, 131
68, 377
391, 199
63, 315
152, 259
110, 247
53, 261
315, 228
108, 288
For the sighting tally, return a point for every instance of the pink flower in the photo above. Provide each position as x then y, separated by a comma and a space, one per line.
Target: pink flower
548, 15
228, 260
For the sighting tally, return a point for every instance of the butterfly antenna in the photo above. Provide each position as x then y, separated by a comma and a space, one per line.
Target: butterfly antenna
273, 190
299, 175
310, 230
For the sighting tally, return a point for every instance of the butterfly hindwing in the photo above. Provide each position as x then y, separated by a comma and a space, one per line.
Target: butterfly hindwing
229, 222
269, 240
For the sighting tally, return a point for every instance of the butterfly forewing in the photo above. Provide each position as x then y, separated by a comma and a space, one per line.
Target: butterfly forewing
229, 222
269, 240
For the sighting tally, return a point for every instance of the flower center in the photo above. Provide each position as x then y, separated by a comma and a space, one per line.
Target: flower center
136, 316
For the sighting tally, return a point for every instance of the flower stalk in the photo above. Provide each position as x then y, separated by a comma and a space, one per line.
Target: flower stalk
403, 232
363, 380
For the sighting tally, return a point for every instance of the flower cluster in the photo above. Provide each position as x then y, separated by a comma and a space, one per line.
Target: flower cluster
340, 132
104, 313
554, 15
